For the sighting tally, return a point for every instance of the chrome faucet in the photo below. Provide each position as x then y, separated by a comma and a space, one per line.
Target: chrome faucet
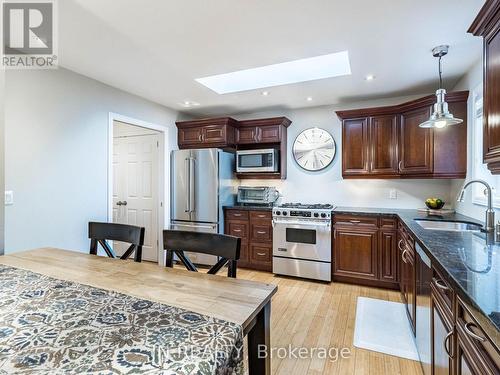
489, 224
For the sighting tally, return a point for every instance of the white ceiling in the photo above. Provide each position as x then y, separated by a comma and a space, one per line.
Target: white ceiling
156, 48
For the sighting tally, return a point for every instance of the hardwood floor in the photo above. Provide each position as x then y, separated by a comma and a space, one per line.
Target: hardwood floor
313, 314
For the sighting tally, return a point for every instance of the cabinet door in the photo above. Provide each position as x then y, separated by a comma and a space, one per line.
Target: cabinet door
356, 253
388, 256
468, 363
214, 134
269, 134
408, 283
261, 256
383, 145
491, 136
190, 136
441, 340
244, 257
247, 135
355, 147
416, 143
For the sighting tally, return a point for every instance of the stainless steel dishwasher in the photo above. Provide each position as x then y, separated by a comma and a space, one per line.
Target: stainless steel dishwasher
423, 316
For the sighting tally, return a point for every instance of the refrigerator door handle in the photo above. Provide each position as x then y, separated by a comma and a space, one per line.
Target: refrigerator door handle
187, 176
192, 167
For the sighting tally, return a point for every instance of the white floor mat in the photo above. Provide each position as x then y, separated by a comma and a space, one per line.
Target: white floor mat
383, 326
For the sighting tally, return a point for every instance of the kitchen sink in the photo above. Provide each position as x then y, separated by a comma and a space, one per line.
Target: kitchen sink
454, 226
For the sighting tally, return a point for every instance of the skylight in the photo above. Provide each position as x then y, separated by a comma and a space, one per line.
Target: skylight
319, 67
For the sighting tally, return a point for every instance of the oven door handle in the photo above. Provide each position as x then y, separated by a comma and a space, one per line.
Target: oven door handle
312, 224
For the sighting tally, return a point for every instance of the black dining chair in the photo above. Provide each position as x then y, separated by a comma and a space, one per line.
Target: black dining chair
227, 248
99, 233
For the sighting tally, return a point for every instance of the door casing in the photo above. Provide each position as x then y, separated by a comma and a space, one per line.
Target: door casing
164, 173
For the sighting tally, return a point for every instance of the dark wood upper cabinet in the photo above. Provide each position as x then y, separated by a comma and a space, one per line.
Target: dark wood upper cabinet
260, 131
213, 132
247, 135
230, 134
387, 142
355, 139
487, 25
416, 144
383, 145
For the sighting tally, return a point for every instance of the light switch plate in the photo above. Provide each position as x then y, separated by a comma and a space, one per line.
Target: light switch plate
9, 198
393, 194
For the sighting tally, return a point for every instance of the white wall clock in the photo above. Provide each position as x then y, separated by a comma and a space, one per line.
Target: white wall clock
314, 149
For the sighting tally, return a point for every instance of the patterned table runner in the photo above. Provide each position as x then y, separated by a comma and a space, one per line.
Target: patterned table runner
54, 326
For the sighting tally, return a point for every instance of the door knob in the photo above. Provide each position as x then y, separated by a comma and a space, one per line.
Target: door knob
120, 203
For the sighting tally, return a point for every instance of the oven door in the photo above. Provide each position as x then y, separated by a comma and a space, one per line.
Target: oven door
309, 240
257, 160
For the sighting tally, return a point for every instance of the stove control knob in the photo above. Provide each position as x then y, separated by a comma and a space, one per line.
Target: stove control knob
323, 215
316, 214
278, 213
284, 213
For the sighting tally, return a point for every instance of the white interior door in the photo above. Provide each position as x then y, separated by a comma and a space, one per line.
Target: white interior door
135, 188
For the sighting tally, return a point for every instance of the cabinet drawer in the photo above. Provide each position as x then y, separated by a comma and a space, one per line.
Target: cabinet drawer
261, 253
261, 232
479, 344
236, 215
443, 290
388, 223
362, 221
261, 215
237, 229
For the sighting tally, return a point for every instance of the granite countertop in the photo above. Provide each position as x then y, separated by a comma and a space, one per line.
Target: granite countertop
249, 208
469, 261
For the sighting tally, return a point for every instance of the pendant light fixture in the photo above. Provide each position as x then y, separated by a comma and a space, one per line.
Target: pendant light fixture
440, 117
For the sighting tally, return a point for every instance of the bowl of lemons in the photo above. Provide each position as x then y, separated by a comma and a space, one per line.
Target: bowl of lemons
434, 203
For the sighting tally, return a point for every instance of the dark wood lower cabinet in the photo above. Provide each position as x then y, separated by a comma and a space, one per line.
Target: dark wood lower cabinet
442, 338
256, 233
356, 253
388, 256
365, 251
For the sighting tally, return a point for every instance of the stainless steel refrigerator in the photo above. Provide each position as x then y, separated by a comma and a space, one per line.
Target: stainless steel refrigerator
202, 182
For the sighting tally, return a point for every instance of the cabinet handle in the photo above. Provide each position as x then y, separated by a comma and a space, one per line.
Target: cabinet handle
261, 254
237, 215
403, 256
261, 232
472, 334
446, 344
200, 137
399, 245
263, 216
440, 284
355, 221
237, 230
399, 165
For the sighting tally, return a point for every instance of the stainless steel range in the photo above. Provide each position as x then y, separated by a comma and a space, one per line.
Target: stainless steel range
302, 244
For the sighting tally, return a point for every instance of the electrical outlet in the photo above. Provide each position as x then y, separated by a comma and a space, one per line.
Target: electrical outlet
9, 198
393, 194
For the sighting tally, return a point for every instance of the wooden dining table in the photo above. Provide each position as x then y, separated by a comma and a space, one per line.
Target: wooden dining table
242, 302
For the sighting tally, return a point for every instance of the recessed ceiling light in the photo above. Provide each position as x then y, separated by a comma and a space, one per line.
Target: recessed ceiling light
309, 69
188, 104
309, 99
265, 93
369, 77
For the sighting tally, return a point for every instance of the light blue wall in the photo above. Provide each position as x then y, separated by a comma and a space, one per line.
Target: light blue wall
57, 154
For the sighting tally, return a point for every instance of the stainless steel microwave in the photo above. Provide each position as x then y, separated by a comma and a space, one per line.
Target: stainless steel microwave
265, 160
